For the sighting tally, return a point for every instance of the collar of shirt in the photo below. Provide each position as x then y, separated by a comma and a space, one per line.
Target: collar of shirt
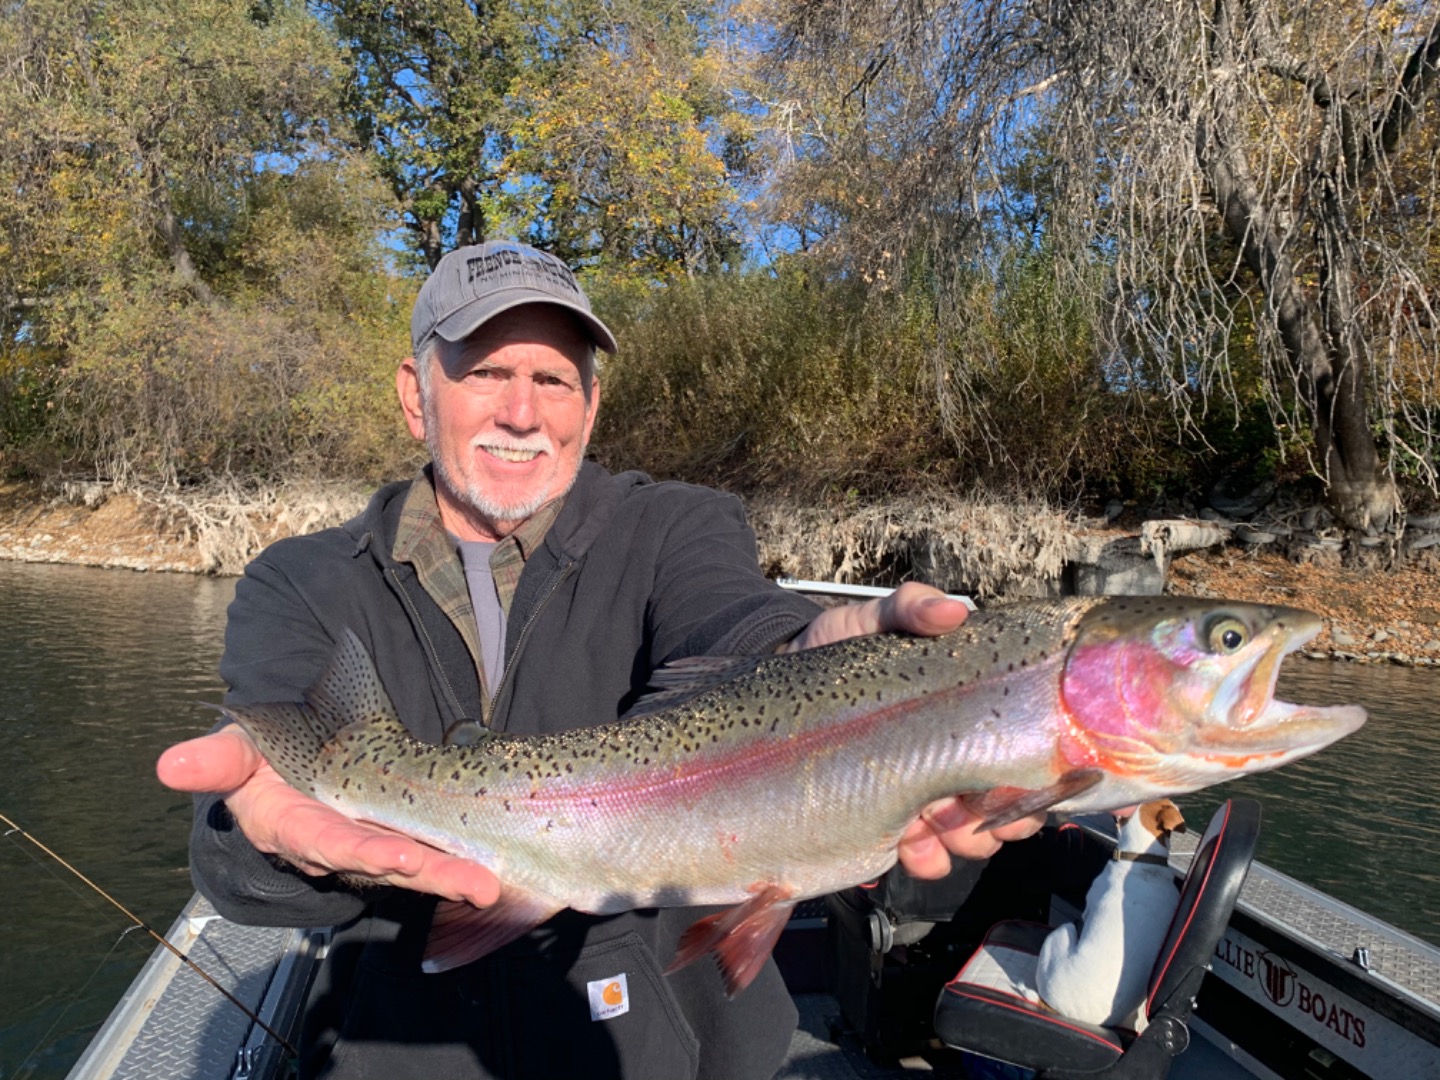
422, 541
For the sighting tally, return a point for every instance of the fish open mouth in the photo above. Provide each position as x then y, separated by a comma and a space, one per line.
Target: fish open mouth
1249, 722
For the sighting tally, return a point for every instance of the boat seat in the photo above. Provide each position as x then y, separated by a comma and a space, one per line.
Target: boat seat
990, 1008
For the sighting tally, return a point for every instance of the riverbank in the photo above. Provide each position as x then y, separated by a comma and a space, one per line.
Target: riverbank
1377, 616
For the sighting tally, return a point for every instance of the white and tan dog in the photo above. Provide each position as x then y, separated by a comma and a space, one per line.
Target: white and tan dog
1100, 972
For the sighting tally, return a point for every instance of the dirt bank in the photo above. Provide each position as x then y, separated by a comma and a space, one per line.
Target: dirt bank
1390, 616
116, 530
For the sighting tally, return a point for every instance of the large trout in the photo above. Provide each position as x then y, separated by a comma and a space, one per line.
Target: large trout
763, 781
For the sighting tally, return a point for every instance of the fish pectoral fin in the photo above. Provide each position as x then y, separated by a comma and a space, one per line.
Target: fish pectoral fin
741, 938
462, 933
1000, 806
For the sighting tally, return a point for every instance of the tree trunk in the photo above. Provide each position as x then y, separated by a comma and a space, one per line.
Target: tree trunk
470, 229
168, 226
1325, 346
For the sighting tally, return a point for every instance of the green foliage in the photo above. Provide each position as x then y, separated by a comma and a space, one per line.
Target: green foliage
618, 143
294, 372
787, 382
199, 274
427, 98
191, 282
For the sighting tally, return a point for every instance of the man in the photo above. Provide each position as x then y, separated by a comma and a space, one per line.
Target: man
511, 585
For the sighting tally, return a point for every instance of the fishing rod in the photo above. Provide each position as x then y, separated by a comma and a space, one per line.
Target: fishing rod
143, 925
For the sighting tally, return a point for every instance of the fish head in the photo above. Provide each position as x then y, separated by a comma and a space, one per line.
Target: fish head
1172, 694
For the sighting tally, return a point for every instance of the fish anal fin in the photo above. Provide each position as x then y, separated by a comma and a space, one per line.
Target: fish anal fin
462, 933
1002, 805
741, 938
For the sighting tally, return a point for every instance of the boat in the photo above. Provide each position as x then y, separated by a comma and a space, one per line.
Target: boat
1298, 985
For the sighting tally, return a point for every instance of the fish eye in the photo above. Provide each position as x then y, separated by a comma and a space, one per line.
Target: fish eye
1226, 635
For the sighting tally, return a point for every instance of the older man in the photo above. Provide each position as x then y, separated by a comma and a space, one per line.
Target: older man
512, 586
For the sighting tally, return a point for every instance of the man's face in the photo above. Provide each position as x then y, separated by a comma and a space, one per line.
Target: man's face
506, 418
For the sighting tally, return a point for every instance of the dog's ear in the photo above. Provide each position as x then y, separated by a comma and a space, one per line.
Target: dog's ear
1170, 819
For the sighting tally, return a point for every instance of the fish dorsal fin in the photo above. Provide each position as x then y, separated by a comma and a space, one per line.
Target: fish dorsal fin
682, 679
350, 691
293, 734
461, 933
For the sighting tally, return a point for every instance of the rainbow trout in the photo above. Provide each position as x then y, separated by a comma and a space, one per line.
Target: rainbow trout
759, 782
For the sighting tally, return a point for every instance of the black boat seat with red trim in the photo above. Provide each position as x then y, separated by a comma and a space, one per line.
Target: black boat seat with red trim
991, 1008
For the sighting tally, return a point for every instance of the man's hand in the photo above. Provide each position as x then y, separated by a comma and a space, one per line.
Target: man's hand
945, 827
281, 821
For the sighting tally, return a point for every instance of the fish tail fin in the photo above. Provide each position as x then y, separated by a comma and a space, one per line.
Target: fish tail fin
292, 735
741, 938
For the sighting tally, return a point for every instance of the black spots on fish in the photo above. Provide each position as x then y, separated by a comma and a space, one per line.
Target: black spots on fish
464, 817
455, 776
344, 784
996, 713
430, 773
410, 796
1005, 692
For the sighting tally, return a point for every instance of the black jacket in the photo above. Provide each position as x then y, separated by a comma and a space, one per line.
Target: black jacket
631, 575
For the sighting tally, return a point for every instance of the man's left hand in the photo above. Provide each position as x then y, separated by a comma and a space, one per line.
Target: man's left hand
945, 827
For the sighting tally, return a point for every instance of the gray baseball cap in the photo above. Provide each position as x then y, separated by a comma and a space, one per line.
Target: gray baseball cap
472, 285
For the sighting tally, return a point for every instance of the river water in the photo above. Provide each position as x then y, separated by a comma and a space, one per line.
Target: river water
102, 669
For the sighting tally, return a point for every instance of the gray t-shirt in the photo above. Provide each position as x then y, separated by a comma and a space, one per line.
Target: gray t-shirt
489, 615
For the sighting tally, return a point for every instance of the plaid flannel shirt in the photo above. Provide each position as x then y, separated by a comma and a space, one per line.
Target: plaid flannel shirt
422, 541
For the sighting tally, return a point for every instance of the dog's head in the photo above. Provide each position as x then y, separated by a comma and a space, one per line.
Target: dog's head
1160, 818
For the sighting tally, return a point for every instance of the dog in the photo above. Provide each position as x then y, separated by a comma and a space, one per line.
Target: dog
1099, 971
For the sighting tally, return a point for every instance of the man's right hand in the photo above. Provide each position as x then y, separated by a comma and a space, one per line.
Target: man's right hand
279, 820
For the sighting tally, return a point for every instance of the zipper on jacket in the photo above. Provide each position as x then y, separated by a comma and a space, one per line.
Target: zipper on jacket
429, 644
551, 587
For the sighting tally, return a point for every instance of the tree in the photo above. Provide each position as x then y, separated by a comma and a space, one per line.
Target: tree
1230, 164
427, 97
130, 132
594, 128
621, 158
189, 257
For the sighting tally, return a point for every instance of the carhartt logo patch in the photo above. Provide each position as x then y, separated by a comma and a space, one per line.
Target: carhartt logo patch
608, 997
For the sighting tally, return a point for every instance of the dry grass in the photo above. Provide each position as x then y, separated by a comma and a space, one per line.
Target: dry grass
987, 549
